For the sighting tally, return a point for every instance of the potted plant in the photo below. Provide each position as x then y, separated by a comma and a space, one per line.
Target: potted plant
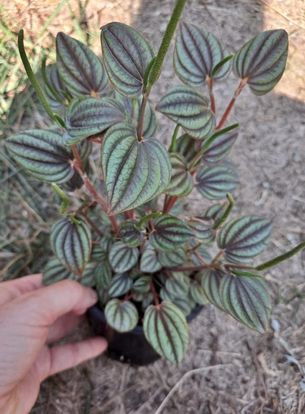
123, 229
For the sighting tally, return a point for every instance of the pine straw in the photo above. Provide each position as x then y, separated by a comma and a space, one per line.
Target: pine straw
256, 374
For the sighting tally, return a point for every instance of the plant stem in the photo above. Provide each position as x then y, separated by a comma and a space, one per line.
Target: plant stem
169, 203
226, 213
212, 97
281, 258
142, 115
155, 294
91, 189
169, 32
64, 198
173, 144
229, 108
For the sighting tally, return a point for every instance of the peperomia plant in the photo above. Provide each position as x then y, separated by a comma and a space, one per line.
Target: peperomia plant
123, 228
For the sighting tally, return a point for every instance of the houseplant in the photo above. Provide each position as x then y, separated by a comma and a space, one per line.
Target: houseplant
121, 229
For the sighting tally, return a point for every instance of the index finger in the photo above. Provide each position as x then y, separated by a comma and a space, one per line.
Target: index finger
11, 289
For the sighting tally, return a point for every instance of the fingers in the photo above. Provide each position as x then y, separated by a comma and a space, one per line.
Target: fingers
63, 326
10, 290
63, 357
48, 304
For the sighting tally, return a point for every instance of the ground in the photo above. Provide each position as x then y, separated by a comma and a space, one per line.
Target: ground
235, 370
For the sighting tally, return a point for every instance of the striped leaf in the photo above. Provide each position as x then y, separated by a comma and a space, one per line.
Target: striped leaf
181, 183
214, 212
169, 233
244, 238
166, 329
186, 146
184, 303
210, 283
149, 260
90, 116
200, 255
202, 229
262, 60
71, 242
122, 257
103, 274
220, 147
196, 54
55, 271
132, 108
215, 182
142, 284
43, 154
126, 56
178, 285
197, 293
135, 171
245, 297
130, 234
188, 109
54, 89
119, 285
88, 277
79, 68
172, 258
122, 316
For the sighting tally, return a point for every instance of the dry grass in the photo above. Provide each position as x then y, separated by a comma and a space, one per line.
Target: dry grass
256, 374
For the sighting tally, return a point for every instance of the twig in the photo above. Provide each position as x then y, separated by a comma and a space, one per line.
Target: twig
229, 108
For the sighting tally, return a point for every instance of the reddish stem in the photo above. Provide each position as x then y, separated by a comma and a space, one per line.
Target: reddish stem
155, 294
229, 108
169, 203
212, 97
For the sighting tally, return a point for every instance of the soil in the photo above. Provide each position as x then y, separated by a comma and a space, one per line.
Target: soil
228, 369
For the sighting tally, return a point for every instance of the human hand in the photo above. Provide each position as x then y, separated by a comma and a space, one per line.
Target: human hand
31, 318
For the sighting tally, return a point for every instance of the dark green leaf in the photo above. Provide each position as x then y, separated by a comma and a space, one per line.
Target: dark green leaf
178, 285
149, 260
121, 316
181, 183
202, 229
122, 257
79, 68
54, 88
214, 212
220, 146
120, 285
215, 182
166, 329
186, 146
200, 255
169, 233
245, 297
262, 60
71, 242
142, 284
210, 283
126, 55
135, 171
43, 154
244, 238
130, 234
90, 116
189, 109
197, 293
196, 54
54, 272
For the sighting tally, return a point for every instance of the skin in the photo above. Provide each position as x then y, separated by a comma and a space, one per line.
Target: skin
32, 318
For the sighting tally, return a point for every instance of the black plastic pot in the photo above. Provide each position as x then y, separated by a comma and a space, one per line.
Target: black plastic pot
130, 347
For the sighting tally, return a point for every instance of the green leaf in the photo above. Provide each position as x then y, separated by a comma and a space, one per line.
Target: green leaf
200, 255
172, 258
181, 183
79, 68
244, 238
103, 274
71, 242
54, 88
149, 260
262, 60
202, 229
245, 297
188, 109
186, 146
54, 272
210, 282
166, 329
197, 293
220, 146
215, 182
169, 233
197, 52
142, 284
130, 234
215, 212
120, 285
88, 278
126, 55
121, 316
178, 285
132, 108
122, 257
90, 116
43, 154
135, 171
